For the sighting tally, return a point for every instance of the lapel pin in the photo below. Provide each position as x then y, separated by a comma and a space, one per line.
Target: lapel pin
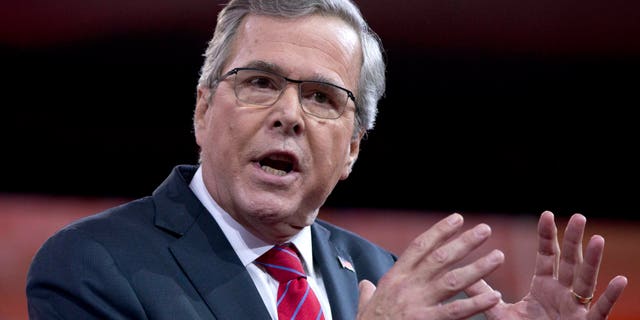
346, 264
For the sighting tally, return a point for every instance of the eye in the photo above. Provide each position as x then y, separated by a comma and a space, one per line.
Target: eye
320, 97
320, 94
261, 82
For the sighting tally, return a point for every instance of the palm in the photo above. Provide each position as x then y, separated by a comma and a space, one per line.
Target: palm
558, 276
547, 300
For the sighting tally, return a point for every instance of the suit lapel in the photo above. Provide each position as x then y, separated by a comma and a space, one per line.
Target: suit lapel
204, 253
340, 281
215, 270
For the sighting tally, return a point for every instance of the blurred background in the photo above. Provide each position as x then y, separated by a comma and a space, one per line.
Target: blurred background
495, 109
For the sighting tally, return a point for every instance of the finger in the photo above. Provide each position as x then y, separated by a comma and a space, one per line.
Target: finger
464, 308
454, 281
548, 248
477, 288
571, 254
584, 283
441, 258
603, 306
366, 288
433, 238
481, 287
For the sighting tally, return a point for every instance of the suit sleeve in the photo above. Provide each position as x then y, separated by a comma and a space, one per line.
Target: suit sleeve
74, 277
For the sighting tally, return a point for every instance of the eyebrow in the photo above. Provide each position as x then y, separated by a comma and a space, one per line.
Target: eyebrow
274, 68
266, 66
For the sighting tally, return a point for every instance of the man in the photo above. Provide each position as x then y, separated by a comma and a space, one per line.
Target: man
287, 90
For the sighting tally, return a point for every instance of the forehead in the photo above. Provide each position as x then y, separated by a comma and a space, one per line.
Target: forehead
307, 47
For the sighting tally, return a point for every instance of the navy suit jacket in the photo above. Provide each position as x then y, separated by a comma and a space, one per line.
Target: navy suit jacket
164, 257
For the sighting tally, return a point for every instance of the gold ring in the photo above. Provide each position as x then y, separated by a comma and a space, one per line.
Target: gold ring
581, 299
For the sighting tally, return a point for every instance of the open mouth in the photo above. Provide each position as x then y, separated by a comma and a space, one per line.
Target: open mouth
278, 164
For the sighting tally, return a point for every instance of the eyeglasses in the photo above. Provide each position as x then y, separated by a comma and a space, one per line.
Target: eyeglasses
264, 88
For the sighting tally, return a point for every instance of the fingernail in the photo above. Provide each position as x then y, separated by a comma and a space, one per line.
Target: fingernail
454, 219
482, 231
496, 256
497, 295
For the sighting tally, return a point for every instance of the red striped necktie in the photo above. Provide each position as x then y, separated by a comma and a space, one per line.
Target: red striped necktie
295, 298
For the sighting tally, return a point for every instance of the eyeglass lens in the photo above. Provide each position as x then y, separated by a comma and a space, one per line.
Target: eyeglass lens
264, 88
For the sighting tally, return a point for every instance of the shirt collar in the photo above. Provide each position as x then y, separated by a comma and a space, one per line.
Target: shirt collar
247, 246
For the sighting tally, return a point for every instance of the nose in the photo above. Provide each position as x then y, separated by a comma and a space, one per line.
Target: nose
287, 112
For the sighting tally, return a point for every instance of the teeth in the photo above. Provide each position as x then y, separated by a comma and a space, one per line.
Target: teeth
274, 171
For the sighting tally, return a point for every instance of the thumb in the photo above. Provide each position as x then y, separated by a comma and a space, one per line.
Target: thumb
367, 288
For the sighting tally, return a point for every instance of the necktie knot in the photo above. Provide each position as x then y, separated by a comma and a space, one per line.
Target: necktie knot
282, 263
295, 300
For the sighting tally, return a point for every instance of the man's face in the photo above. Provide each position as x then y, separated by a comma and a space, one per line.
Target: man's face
242, 143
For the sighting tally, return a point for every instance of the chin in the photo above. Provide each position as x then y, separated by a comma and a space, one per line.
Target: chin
284, 220
272, 210
270, 207
275, 232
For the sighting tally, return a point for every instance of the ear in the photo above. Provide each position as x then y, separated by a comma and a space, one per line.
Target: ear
354, 150
202, 105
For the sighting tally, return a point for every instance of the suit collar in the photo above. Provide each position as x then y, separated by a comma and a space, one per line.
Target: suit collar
214, 269
176, 206
203, 252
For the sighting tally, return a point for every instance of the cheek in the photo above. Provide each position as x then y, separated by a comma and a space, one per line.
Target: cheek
210, 122
332, 150
229, 133
210, 131
343, 138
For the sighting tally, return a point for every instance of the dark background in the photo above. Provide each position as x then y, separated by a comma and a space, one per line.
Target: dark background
492, 106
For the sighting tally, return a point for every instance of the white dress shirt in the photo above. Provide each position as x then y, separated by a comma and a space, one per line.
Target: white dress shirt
249, 247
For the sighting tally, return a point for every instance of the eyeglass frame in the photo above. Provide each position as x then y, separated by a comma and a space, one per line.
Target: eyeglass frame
234, 71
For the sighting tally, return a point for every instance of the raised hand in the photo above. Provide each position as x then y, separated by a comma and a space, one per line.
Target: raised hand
564, 281
426, 275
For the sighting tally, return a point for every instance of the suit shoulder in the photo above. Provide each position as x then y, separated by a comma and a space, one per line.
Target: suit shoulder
121, 216
116, 224
102, 238
353, 242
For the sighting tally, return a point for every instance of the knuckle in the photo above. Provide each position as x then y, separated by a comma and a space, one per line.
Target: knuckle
439, 256
451, 281
419, 244
452, 310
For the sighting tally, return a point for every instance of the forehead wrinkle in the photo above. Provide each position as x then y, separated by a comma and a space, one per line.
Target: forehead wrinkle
329, 46
344, 41
342, 64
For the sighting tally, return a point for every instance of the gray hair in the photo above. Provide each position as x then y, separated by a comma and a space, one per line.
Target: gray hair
371, 85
